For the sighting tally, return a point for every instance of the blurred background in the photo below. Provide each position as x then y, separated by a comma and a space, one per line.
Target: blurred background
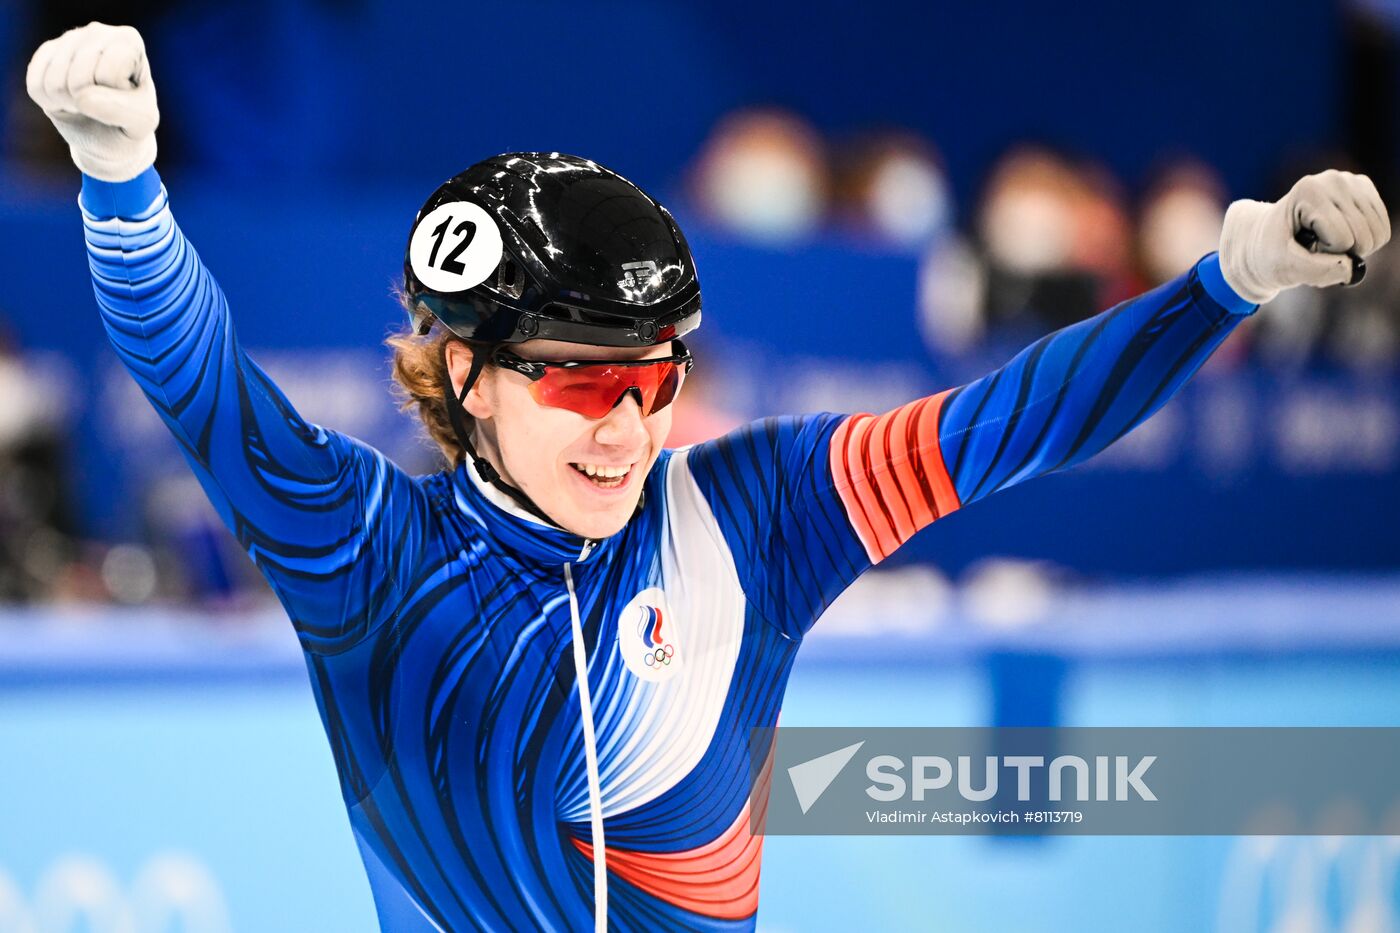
883, 202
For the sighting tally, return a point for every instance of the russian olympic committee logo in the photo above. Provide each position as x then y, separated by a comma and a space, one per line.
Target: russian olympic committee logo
648, 637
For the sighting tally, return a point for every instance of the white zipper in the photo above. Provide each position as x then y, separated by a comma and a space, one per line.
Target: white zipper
590, 754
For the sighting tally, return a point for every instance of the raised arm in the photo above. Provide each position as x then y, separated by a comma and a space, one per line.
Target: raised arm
328, 521
1057, 403
1074, 392
807, 504
813, 502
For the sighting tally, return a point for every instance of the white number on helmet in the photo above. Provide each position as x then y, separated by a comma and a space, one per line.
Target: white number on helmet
454, 247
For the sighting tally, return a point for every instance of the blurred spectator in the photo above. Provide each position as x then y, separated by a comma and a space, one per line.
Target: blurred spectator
763, 174
1180, 220
36, 525
1036, 227
952, 294
892, 187
1053, 246
1101, 242
1026, 221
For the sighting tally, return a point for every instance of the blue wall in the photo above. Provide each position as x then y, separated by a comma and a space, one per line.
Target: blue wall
421, 90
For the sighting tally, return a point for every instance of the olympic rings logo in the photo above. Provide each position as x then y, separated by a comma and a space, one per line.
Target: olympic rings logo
659, 656
648, 638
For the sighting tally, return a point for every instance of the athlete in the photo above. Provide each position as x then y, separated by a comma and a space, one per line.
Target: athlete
539, 669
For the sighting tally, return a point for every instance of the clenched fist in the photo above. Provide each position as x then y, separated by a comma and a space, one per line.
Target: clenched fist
94, 83
1259, 250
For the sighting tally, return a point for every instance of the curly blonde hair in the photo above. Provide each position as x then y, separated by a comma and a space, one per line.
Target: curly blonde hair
420, 375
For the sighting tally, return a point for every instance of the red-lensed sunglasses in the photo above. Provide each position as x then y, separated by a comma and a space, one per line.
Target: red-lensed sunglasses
593, 388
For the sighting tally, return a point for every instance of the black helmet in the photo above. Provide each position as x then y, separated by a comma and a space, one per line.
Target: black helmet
542, 244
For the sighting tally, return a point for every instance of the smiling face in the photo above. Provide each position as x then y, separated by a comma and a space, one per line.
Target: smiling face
585, 473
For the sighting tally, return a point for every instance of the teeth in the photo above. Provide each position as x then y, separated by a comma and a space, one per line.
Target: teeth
602, 472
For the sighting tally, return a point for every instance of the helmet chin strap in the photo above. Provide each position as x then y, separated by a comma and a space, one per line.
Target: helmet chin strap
456, 415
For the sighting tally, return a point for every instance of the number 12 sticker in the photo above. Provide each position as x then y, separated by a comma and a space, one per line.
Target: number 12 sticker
454, 247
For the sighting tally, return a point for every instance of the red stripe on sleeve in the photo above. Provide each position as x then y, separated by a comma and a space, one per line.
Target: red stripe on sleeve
885, 470
945, 495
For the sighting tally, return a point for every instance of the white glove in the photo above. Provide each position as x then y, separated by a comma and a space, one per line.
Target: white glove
1259, 256
94, 83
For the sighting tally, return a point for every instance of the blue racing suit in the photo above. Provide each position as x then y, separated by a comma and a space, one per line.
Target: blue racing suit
489, 784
